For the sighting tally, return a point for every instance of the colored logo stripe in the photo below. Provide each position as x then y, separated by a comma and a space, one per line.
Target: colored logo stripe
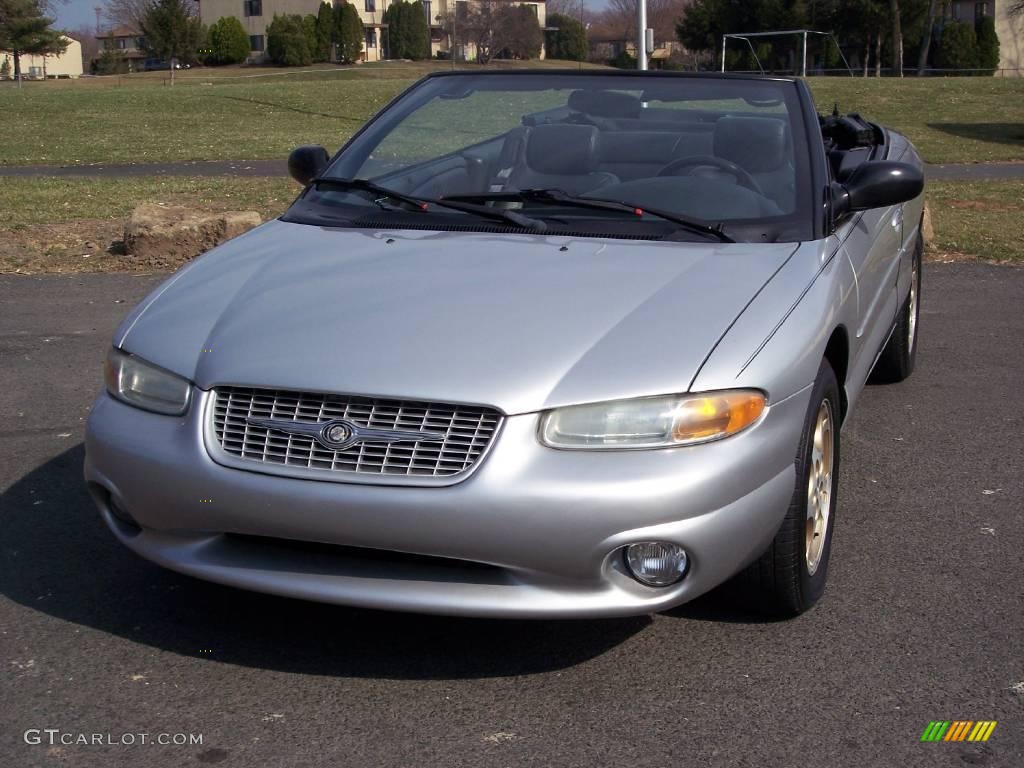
935, 730
982, 730
958, 730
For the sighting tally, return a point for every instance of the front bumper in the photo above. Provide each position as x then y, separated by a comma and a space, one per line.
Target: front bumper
551, 523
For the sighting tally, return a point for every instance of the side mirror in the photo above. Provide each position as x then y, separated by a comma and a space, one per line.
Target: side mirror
306, 163
876, 184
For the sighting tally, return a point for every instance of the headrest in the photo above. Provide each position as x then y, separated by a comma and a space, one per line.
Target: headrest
605, 103
756, 144
569, 150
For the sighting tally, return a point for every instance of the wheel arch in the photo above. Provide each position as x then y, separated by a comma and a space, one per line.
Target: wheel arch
837, 352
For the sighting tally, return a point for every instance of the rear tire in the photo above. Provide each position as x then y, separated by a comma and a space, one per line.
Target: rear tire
790, 576
900, 353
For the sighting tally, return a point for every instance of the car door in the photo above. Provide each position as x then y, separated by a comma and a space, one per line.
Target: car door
872, 242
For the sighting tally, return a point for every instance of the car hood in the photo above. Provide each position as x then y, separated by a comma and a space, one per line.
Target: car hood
519, 322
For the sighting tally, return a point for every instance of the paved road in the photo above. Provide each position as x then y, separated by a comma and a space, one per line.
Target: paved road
922, 619
946, 171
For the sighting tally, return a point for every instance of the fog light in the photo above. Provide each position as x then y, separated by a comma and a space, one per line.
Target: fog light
656, 563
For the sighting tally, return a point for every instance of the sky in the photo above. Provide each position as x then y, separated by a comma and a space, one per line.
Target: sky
75, 13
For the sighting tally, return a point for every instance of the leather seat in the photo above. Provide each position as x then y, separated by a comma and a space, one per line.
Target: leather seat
561, 157
763, 147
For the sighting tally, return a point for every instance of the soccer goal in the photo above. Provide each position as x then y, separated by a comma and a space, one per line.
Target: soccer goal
799, 56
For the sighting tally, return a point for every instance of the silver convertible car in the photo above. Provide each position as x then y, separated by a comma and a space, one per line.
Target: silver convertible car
531, 344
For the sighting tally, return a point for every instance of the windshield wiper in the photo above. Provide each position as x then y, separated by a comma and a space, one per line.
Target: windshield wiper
557, 197
423, 203
366, 185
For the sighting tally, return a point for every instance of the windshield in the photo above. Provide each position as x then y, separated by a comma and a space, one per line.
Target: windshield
729, 155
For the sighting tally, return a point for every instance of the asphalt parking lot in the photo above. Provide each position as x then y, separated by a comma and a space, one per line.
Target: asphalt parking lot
923, 619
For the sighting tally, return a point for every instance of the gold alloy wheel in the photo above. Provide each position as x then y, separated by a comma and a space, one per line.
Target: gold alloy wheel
819, 487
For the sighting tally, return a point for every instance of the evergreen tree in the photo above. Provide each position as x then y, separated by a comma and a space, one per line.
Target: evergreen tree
987, 51
408, 31
957, 46
228, 42
517, 33
324, 32
172, 32
309, 29
287, 45
24, 30
568, 41
348, 33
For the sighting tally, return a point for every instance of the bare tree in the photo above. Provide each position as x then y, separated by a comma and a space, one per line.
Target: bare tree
130, 13
86, 37
897, 39
478, 28
127, 13
662, 15
926, 39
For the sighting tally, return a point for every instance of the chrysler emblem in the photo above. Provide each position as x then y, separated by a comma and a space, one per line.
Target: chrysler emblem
339, 434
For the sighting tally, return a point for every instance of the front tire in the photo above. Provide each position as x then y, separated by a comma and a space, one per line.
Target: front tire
790, 576
899, 356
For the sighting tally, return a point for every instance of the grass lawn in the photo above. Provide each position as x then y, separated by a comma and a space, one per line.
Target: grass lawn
950, 120
67, 225
978, 219
256, 113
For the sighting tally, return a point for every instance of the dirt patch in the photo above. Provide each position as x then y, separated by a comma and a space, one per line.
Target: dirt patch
175, 234
77, 246
981, 205
165, 240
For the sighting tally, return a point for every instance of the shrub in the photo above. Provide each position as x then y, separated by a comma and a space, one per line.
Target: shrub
568, 41
110, 62
957, 46
408, 33
324, 32
348, 33
228, 42
623, 61
987, 57
5, 69
286, 42
517, 34
309, 29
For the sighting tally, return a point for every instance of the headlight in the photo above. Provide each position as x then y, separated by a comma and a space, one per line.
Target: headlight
144, 385
653, 422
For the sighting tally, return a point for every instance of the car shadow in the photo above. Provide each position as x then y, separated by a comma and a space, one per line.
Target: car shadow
1000, 133
57, 557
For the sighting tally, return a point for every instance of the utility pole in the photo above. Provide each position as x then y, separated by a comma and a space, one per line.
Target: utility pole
641, 34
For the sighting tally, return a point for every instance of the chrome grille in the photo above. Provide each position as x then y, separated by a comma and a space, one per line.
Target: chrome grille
467, 432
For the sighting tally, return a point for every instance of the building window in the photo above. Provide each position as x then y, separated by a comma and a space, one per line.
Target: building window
426, 11
370, 6
533, 8
256, 43
122, 43
980, 10
371, 37
252, 7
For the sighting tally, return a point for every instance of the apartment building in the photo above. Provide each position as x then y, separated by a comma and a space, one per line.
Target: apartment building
128, 43
1009, 29
256, 15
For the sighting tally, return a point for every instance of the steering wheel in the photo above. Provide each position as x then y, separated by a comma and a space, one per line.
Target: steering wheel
741, 175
